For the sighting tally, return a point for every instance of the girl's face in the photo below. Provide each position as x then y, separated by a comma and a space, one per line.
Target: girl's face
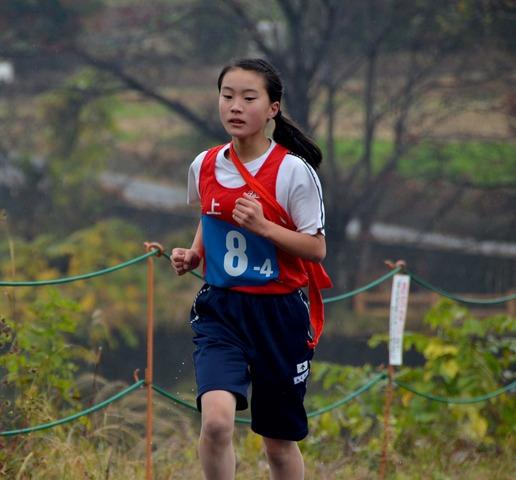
244, 105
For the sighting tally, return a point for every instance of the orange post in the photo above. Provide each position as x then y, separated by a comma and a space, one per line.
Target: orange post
386, 423
511, 305
149, 370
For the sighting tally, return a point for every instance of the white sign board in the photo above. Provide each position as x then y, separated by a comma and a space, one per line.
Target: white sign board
398, 313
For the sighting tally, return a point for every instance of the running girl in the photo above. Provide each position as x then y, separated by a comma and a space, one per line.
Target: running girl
261, 239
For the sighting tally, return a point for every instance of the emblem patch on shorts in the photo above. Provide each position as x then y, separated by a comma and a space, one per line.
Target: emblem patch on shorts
304, 369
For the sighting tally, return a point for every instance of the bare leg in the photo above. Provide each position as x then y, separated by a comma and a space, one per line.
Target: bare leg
285, 459
216, 440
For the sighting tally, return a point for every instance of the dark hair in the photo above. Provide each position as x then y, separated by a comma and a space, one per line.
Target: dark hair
286, 132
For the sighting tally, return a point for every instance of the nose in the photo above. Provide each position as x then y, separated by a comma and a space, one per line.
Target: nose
236, 106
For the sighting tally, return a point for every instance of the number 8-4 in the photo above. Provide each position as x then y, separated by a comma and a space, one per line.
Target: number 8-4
235, 259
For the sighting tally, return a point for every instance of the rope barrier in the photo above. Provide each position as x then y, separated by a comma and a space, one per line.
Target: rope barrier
332, 406
156, 249
348, 398
314, 413
458, 298
60, 281
459, 401
188, 405
75, 416
192, 272
373, 284
198, 275
417, 279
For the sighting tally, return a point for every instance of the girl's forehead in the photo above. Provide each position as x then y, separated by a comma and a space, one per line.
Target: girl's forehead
240, 79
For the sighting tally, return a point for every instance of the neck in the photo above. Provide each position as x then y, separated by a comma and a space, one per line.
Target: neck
248, 149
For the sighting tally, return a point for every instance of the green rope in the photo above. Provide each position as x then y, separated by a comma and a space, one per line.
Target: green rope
373, 284
459, 401
59, 281
193, 272
188, 405
198, 275
164, 393
475, 301
75, 416
315, 413
462, 401
349, 397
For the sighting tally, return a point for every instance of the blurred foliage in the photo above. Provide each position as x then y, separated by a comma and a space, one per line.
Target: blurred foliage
109, 303
452, 161
209, 38
79, 132
38, 363
49, 334
101, 58
465, 357
112, 308
26, 24
107, 444
468, 357
60, 222
459, 161
60, 191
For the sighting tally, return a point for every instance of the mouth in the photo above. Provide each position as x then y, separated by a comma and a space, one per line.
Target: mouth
236, 122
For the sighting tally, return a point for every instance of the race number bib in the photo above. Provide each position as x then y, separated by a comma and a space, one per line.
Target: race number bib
235, 256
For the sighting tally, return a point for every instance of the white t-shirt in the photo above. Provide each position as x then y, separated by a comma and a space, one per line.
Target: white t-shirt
298, 189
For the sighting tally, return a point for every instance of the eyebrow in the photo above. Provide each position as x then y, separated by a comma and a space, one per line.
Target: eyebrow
247, 90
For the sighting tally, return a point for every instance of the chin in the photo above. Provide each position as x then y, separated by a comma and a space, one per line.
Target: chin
237, 133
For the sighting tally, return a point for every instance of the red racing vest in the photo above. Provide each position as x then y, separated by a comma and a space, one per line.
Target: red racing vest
242, 261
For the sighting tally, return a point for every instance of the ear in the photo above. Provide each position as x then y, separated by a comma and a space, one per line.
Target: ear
273, 109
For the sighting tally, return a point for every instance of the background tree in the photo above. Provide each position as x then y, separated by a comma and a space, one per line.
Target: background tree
403, 69
402, 50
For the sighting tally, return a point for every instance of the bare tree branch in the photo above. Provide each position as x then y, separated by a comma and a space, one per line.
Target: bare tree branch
248, 24
327, 36
133, 83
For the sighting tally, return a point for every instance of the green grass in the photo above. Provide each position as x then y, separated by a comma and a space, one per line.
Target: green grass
98, 453
480, 162
139, 109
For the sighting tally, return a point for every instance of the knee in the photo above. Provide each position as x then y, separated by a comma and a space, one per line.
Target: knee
279, 452
217, 431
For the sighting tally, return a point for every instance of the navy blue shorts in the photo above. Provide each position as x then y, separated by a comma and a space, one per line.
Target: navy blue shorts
259, 340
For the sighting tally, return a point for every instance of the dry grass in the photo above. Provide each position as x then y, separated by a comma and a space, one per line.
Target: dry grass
111, 446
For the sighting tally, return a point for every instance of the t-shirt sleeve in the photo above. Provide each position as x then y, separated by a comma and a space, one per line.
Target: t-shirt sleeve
192, 192
299, 191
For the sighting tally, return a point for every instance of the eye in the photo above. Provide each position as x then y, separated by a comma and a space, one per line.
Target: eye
249, 99
227, 97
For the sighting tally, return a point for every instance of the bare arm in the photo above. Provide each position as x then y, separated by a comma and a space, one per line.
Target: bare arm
186, 259
197, 244
249, 214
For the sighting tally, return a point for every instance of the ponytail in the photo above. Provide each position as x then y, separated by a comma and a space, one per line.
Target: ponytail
288, 134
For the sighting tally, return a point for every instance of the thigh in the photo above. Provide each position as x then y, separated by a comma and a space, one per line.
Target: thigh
280, 370
219, 406
278, 411
219, 358
281, 333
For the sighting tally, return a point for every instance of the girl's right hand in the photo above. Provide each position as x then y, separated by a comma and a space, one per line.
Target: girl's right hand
184, 259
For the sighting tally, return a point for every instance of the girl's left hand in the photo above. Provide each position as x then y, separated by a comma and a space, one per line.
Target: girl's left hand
248, 213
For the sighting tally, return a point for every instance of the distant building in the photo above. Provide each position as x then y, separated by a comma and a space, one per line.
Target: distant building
6, 72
